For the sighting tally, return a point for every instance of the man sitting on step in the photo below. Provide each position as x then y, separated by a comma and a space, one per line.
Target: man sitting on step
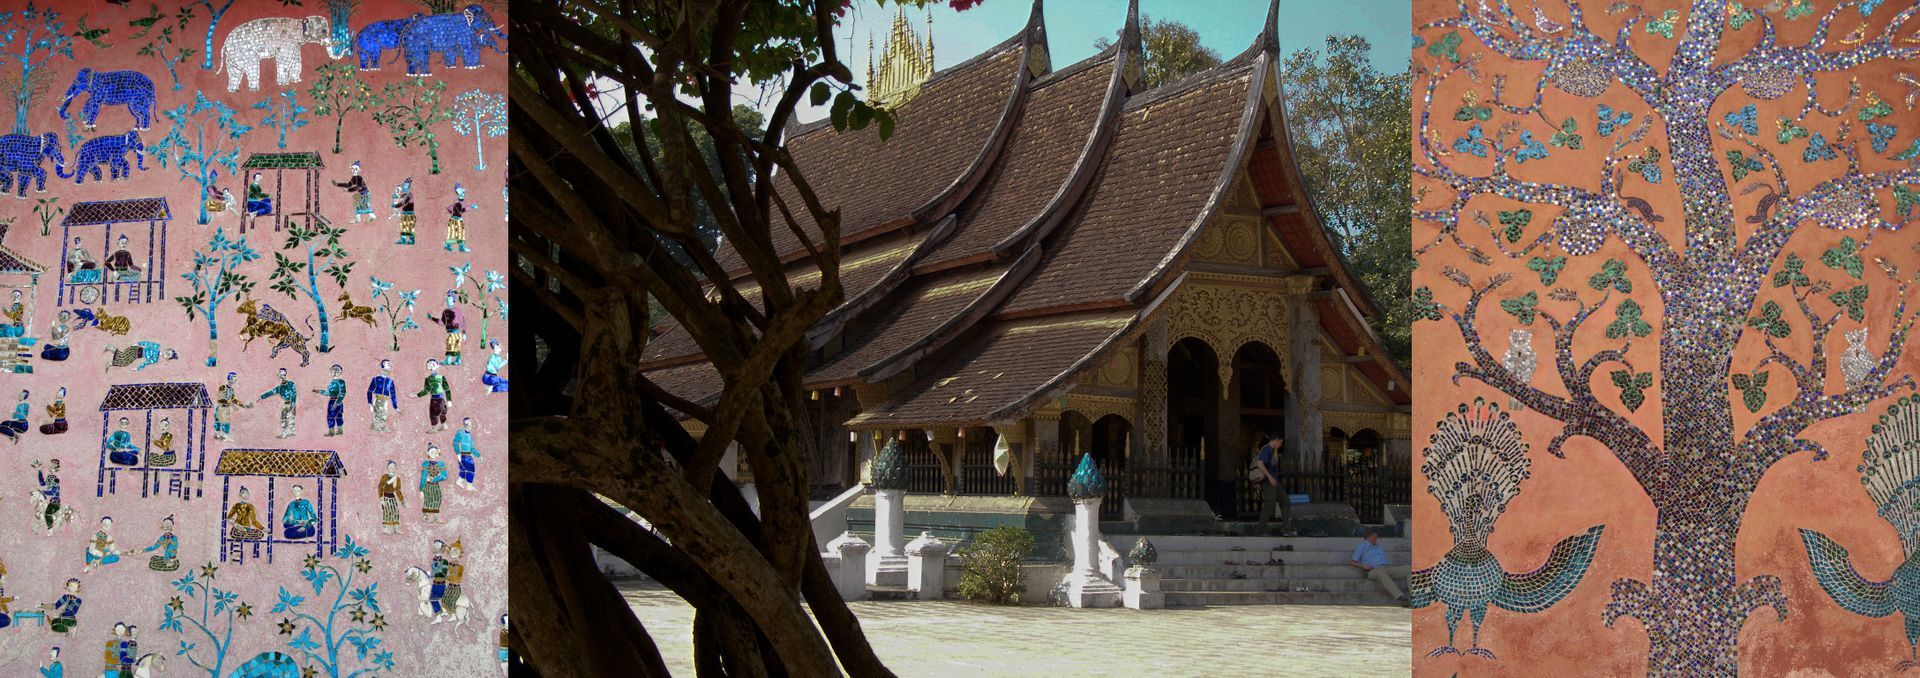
1368, 558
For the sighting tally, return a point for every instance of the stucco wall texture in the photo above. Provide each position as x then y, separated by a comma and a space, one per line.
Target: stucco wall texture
1701, 479
256, 597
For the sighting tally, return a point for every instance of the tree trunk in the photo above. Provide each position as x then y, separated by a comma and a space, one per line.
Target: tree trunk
1690, 613
319, 304
213, 24
338, 121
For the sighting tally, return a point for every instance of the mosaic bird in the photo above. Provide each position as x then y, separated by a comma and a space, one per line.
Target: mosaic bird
1890, 471
1474, 468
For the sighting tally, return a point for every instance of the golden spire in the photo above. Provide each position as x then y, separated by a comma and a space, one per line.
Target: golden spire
907, 62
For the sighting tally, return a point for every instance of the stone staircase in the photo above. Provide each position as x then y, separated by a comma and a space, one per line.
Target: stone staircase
1195, 571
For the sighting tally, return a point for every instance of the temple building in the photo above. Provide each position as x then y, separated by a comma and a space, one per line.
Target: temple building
1063, 260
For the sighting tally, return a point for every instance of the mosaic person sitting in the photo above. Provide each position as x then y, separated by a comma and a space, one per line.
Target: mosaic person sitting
492, 379
81, 266
300, 521
120, 447
6, 615
121, 263
16, 426
58, 412
258, 204
100, 549
168, 545
245, 523
56, 346
66, 610
160, 449
16, 312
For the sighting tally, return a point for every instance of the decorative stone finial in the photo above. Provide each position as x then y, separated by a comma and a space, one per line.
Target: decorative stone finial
848, 543
1143, 553
927, 544
889, 467
1087, 482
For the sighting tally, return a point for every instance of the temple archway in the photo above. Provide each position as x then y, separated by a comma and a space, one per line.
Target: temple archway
1193, 421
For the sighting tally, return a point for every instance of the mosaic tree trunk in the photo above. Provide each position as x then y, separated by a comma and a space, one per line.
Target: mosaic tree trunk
1721, 290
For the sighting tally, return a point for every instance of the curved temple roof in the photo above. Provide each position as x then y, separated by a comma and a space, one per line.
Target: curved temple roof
997, 290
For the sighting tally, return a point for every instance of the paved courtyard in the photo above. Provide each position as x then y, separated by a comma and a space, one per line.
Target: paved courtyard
957, 638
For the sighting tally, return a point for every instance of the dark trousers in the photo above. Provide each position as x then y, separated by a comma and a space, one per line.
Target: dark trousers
1271, 499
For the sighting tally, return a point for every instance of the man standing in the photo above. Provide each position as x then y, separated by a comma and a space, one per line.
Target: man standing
463, 446
1368, 558
381, 397
1271, 494
49, 490
287, 393
441, 395
336, 393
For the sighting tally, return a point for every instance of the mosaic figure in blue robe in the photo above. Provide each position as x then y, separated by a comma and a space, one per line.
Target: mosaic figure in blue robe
81, 266
299, 521
101, 549
168, 545
438, 570
495, 362
336, 393
16, 426
463, 446
259, 204
120, 447
66, 609
382, 398
54, 669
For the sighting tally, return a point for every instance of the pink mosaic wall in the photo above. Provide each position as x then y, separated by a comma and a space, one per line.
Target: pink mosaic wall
341, 600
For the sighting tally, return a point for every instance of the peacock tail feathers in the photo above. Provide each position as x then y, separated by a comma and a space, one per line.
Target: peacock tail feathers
1833, 569
1890, 469
1566, 565
1474, 467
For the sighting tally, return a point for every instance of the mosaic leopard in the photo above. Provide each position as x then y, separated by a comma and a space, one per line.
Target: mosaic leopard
263, 321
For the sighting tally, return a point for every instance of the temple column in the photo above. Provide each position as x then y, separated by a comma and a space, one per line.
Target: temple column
1151, 399
1306, 433
1045, 439
888, 564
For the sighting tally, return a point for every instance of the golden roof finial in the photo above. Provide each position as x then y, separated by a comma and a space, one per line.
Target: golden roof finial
904, 64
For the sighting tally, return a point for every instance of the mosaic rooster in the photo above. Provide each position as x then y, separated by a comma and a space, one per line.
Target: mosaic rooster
1890, 470
1474, 467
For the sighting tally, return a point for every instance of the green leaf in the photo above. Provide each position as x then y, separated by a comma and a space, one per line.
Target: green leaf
819, 93
1627, 321
842, 105
1612, 274
1769, 321
1853, 300
1632, 387
886, 122
862, 116
1523, 307
1423, 306
1844, 257
1548, 268
1753, 389
1792, 272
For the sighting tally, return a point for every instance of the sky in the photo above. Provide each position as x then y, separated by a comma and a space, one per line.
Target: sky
1226, 26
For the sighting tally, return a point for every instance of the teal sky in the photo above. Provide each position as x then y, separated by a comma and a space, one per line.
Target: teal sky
1226, 26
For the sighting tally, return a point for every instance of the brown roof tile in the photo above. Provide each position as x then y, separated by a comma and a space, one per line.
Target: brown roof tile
918, 309
936, 138
1008, 362
697, 382
1167, 157
1044, 148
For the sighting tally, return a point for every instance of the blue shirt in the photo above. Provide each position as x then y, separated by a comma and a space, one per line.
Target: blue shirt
1270, 460
1369, 555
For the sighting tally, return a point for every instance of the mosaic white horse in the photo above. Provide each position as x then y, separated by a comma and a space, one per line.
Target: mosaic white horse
145, 667
424, 583
39, 502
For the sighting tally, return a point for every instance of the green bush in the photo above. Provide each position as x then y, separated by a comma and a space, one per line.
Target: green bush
991, 565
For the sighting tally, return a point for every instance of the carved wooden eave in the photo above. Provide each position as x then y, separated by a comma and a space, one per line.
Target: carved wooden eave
1074, 374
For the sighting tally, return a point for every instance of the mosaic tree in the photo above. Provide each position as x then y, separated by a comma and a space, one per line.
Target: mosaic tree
352, 621
337, 91
94, 35
340, 21
48, 209
593, 284
481, 115
410, 109
29, 40
215, 278
213, 24
1722, 288
316, 251
463, 278
161, 45
216, 606
204, 139
394, 305
282, 113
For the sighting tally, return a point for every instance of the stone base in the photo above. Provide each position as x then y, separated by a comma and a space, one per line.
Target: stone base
1170, 516
1092, 591
887, 571
1141, 600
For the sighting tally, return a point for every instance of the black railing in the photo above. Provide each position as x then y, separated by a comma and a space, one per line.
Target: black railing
1364, 488
1051, 468
923, 467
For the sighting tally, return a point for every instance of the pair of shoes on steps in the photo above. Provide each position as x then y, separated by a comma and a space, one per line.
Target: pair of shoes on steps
1236, 574
1276, 561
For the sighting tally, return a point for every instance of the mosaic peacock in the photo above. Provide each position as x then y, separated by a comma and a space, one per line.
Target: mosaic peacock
1474, 467
1890, 470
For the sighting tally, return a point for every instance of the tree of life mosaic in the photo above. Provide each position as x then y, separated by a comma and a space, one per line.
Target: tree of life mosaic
1697, 210
252, 339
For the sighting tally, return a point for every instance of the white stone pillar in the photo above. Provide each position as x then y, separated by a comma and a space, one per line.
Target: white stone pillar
850, 576
927, 566
1143, 578
889, 519
1086, 537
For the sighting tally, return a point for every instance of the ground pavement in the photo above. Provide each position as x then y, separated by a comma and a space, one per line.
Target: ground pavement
960, 638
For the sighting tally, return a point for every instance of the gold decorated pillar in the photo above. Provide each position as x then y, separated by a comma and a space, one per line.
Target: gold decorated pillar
1151, 398
943, 442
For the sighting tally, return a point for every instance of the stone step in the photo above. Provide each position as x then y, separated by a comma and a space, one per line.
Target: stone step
889, 577
1316, 584
1314, 557
1209, 598
1166, 543
884, 592
1290, 570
